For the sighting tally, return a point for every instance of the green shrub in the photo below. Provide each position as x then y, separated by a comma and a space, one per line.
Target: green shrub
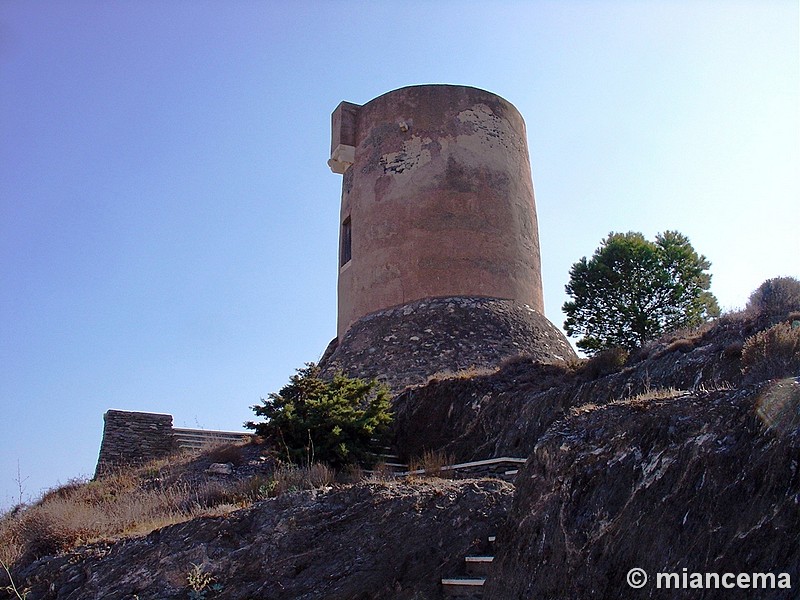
334, 421
776, 297
772, 353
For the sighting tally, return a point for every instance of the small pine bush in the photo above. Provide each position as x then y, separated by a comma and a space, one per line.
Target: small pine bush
776, 297
772, 353
331, 421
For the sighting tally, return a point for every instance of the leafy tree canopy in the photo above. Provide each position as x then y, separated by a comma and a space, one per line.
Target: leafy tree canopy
334, 421
633, 290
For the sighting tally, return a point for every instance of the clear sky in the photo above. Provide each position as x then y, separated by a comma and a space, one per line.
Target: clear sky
168, 224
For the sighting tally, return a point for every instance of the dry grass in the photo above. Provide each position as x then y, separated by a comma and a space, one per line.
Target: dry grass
120, 505
772, 353
381, 472
291, 479
649, 395
582, 409
611, 360
137, 501
430, 464
226, 453
470, 372
639, 400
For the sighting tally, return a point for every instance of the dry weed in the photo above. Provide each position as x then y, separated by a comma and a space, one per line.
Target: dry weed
128, 502
381, 472
431, 464
651, 394
470, 372
293, 478
772, 353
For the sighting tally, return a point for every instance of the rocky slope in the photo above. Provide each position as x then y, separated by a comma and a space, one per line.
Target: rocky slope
702, 481
505, 413
673, 461
364, 541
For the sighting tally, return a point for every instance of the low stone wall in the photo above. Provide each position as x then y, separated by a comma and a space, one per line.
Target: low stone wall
408, 344
131, 438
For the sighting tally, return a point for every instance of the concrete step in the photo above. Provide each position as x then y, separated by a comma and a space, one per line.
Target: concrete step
478, 565
463, 587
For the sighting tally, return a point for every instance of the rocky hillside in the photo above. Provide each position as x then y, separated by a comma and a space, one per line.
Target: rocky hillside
682, 458
505, 413
367, 540
702, 481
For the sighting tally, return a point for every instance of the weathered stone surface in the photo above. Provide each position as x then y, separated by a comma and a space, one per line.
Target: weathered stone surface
438, 201
220, 469
360, 542
408, 344
709, 482
133, 437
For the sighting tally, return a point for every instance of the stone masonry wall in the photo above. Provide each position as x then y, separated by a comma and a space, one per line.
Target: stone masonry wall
408, 344
133, 437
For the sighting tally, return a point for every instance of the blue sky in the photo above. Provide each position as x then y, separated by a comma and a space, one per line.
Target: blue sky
168, 223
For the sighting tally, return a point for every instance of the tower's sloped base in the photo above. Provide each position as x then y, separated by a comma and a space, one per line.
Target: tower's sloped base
408, 344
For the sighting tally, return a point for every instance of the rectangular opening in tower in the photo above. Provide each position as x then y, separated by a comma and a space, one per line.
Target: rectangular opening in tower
347, 249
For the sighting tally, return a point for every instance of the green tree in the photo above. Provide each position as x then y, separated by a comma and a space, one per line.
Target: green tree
312, 419
633, 290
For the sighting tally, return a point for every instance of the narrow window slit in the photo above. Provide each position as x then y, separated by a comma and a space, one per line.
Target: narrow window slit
347, 243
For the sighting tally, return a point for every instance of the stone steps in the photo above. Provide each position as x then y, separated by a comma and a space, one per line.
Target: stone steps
478, 565
469, 586
463, 587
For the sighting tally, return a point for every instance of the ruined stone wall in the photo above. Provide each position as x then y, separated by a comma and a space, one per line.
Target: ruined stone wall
131, 438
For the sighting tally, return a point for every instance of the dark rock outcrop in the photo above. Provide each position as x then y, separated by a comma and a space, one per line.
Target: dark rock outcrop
709, 482
359, 542
408, 344
505, 413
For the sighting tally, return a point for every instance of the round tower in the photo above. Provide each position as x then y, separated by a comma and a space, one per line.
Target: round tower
437, 200
439, 267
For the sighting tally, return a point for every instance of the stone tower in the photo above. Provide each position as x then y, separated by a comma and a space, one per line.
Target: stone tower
437, 217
